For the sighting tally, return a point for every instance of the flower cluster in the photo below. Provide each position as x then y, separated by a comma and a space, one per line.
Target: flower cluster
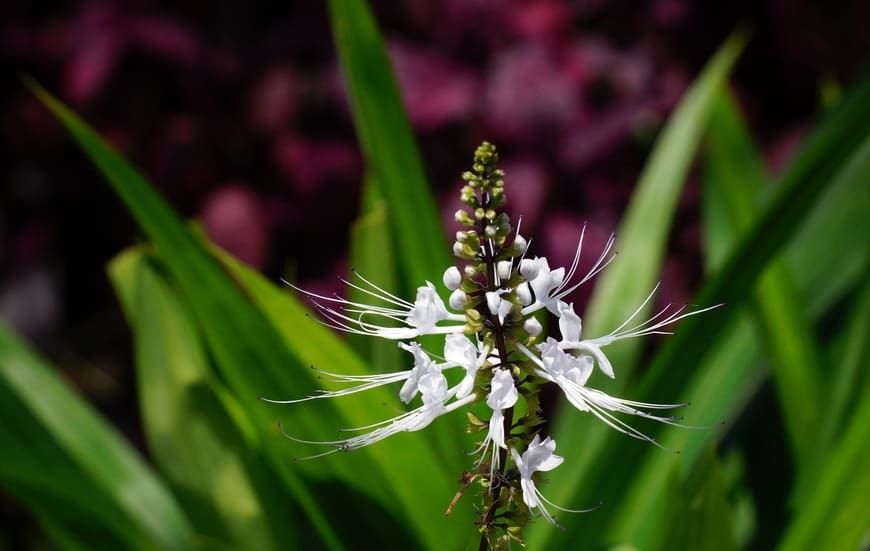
492, 333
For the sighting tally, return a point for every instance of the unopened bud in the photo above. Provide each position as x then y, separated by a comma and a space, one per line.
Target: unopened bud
524, 294
452, 278
532, 327
529, 269
519, 244
457, 299
503, 269
463, 217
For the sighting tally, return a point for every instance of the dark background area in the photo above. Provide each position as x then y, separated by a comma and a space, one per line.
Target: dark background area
237, 113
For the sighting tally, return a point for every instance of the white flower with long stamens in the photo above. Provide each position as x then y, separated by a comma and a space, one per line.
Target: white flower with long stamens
570, 327
411, 377
539, 457
460, 352
502, 395
422, 317
489, 325
432, 386
570, 373
551, 286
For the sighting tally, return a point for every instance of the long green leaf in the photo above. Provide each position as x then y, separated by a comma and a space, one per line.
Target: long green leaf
851, 374
414, 468
387, 142
55, 446
641, 238
825, 154
834, 515
250, 354
372, 254
644, 229
192, 437
736, 180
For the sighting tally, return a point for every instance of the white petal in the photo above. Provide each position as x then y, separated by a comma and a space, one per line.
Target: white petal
569, 322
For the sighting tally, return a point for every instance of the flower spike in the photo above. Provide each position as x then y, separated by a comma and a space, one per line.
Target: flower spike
491, 331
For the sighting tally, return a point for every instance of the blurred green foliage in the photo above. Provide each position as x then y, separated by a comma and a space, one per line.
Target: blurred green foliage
211, 336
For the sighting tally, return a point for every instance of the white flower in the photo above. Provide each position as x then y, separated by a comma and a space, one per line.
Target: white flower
422, 365
459, 351
432, 386
502, 395
419, 318
570, 327
411, 377
538, 457
570, 373
551, 286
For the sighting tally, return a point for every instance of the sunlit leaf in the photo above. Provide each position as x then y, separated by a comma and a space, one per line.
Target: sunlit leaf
57, 452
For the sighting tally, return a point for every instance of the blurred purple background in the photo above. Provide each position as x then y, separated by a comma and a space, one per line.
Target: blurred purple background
239, 117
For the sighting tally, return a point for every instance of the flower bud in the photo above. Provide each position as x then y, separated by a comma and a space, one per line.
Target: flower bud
490, 231
503, 269
479, 213
532, 327
452, 278
462, 250
462, 236
519, 244
529, 269
524, 294
463, 217
457, 299
471, 271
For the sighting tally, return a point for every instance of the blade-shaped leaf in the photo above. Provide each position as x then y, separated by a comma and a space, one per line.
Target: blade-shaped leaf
641, 238
192, 437
387, 142
644, 229
55, 446
701, 503
372, 254
834, 515
250, 354
735, 181
414, 467
824, 155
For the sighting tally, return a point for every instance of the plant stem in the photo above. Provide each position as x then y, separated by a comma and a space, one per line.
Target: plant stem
498, 332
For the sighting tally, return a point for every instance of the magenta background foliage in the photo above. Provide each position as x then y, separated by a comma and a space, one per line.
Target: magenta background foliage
236, 111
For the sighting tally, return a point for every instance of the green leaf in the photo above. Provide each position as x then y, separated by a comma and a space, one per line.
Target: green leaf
644, 229
614, 469
834, 515
700, 502
735, 180
252, 358
387, 142
641, 238
58, 453
850, 373
191, 435
415, 463
372, 253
